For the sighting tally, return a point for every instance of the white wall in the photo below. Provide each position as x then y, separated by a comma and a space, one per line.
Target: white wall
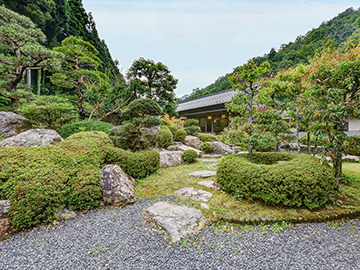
354, 125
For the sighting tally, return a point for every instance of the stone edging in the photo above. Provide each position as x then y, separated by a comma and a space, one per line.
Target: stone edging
307, 218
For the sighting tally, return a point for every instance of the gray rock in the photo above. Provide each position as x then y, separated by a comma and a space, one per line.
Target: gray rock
176, 221
210, 160
151, 130
185, 147
212, 156
222, 148
213, 167
65, 214
192, 141
4, 208
170, 158
210, 184
202, 174
205, 206
172, 148
33, 138
280, 161
118, 187
194, 194
12, 124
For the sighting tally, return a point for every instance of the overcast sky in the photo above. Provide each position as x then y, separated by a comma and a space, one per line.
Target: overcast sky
201, 40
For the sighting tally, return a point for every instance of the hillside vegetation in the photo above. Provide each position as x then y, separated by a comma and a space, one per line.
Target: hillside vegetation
337, 30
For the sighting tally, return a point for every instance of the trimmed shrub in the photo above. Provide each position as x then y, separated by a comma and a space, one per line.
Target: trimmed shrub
165, 137
82, 126
39, 181
206, 147
173, 130
189, 156
207, 137
301, 181
180, 135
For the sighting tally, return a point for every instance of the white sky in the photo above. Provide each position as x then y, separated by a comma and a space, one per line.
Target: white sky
202, 40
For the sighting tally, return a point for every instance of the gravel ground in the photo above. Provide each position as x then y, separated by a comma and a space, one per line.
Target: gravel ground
120, 239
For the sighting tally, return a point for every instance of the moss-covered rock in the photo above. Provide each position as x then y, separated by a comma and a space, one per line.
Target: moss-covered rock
300, 181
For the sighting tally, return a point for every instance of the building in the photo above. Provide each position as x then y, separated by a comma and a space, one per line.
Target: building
210, 110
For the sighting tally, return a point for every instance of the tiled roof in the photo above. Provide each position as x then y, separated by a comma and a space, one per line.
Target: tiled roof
209, 100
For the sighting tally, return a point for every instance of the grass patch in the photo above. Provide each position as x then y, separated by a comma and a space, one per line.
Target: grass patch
166, 181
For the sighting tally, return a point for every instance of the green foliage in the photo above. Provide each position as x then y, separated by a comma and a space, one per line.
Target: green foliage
158, 85
301, 181
262, 142
129, 135
81, 126
165, 137
205, 137
206, 147
318, 140
189, 156
234, 136
173, 130
192, 126
49, 111
180, 135
39, 181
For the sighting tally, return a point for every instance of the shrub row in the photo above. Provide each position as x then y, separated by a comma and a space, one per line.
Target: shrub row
205, 137
301, 181
81, 126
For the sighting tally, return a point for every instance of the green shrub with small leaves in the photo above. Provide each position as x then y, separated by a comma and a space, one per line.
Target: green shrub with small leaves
206, 147
173, 129
301, 180
82, 126
165, 137
318, 140
189, 156
180, 135
192, 126
205, 137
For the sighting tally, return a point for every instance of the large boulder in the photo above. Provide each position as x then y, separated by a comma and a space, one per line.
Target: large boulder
152, 130
176, 221
193, 141
12, 124
118, 187
170, 158
33, 138
222, 149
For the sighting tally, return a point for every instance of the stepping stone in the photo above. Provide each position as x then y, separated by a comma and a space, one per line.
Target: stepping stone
194, 194
205, 206
209, 160
212, 156
210, 184
213, 167
177, 221
185, 147
202, 174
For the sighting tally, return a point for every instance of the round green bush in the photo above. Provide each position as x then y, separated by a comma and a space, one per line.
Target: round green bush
206, 147
173, 130
205, 137
302, 180
180, 135
189, 156
165, 137
81, 126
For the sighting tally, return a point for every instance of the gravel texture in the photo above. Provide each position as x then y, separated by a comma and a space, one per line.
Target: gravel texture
120, 239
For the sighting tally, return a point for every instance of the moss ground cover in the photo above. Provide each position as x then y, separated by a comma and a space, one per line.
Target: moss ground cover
166, 181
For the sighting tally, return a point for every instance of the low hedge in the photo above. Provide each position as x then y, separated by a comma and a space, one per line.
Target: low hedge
81, 126
207, 137
302, 180
39, 181
165, 137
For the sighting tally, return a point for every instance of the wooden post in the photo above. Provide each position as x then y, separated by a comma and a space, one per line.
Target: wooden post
28, 77
38, 81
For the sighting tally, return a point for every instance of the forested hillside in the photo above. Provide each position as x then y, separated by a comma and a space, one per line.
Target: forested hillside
59, 19
337, 30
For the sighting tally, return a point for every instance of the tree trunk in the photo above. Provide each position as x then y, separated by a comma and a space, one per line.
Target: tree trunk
38, 81
309, 142
297, 126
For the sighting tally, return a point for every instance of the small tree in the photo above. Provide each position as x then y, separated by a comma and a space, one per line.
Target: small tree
191, 126
77, 68
140, 113
245, 81
20, 50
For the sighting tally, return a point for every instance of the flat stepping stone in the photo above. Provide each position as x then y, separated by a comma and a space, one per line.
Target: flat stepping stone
177, 221
209, 160
213, 167
194, 194
210, 184
212, 156
202, 174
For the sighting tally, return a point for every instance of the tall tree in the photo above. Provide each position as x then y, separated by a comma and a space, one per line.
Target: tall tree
335, 79
153, 80
20, 50
245, 81
80, 57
